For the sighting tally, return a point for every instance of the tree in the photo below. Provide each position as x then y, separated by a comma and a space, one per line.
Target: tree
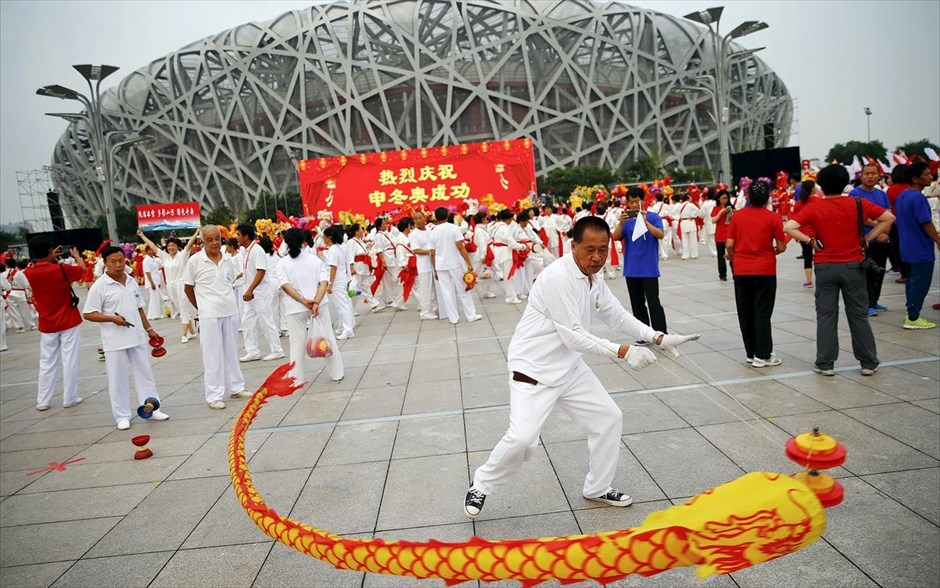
561, 181
845, 153
8, 239
220, 215
268, 204
913, 148
125, 221
692, 174
645, 169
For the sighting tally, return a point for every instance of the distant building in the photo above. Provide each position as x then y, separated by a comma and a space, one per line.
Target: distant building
592, 83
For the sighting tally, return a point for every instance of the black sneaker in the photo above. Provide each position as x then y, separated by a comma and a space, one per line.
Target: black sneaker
612, 498
639, 343
473, 503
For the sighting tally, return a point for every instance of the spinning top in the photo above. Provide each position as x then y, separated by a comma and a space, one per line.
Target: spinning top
816, 451
141, 442
145, 410
156, 341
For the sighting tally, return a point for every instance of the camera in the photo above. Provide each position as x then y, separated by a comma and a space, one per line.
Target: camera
631, 213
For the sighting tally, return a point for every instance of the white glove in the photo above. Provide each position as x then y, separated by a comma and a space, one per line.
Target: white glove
670, 342
639, 357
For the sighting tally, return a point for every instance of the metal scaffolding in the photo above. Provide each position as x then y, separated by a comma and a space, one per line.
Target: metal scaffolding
32, 186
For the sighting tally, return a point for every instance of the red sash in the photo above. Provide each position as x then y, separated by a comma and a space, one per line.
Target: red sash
379, 274
544, 236
366, 259
408, 275
470, 245
518, 259
490, 256
614, 258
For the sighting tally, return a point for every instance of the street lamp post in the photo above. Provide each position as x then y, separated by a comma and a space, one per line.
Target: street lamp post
868, 120
139, 139
92, 104
720, 49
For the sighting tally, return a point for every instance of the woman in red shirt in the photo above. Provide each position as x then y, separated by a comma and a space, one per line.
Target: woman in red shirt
721, 218
806, 197
755, 238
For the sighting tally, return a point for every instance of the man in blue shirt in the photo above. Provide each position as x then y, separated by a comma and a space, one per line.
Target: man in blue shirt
916, 231
641, 260
878, 249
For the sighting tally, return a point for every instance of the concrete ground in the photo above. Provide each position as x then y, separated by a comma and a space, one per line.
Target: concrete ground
389, 451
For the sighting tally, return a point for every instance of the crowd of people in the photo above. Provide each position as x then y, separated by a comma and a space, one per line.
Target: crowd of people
311, 277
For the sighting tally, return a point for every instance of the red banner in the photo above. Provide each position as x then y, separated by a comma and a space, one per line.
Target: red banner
168, 217
369, 183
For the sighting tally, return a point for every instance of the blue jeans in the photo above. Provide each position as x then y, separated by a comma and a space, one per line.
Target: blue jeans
916, 287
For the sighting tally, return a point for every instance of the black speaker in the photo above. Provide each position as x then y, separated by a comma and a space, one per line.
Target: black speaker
55, 211
765, 163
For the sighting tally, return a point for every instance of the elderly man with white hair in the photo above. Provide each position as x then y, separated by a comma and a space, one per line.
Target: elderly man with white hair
208, 285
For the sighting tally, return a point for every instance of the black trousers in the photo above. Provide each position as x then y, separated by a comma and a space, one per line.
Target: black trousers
644, 292
877, 252
895, 252
754, 297
722, 264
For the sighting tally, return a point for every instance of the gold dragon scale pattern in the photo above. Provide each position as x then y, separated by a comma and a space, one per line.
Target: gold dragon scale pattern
755, 518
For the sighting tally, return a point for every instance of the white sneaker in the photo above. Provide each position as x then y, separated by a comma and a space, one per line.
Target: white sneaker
241, 394
185, 339
613, 498
249, 357
513, 301
273, 355
428, 316
474, 318
217, 404
77, 401
159, 416
773, 361
344, 336
378, 308
489, 295
124, 425
42, 407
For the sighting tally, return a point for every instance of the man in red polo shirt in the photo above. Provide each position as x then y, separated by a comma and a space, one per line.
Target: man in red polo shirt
59, 319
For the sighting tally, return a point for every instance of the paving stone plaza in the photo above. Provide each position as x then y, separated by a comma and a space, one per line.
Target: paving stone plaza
390, 450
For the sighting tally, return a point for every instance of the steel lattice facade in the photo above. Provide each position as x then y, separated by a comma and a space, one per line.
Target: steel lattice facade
592, 83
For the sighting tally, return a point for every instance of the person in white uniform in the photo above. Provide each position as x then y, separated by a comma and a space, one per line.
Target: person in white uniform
174, 263
156, 287
664, 212
686, 213
258, 299
481, 238
420, 239
18, 294
304, 279
338, 285
208, 286
115, 302
503, 244
389, 291
449, 262
361, 261
546, 368
708, 226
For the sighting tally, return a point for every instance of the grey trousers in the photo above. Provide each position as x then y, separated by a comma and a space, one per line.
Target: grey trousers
850, 280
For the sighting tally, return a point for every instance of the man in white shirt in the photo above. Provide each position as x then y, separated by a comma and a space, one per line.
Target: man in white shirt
420, 239
664, 212
114, 300
449, 262
548, 343
389, 291
708, 232
258, 298
155, 284
208, 286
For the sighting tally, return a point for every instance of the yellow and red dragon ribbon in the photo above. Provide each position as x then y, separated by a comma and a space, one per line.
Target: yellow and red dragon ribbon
755, 518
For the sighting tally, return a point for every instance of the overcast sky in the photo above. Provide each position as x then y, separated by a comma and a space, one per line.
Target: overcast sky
835, 58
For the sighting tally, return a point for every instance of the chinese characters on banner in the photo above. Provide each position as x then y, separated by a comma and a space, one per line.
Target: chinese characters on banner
168, 217
369, 183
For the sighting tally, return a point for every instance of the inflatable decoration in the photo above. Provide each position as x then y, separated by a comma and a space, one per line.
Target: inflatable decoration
755, 518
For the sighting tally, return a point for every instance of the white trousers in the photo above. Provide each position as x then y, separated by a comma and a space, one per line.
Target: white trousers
52, 346
155, 302
389, 291
585, 400
345, 320
483, 284
424, 284
666, 242
710, 243
118, 384
297, 341
689, 239
21, 315
508, 286
260, 312
365, 286
3, 325
218, 340
177, 294
452, 288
